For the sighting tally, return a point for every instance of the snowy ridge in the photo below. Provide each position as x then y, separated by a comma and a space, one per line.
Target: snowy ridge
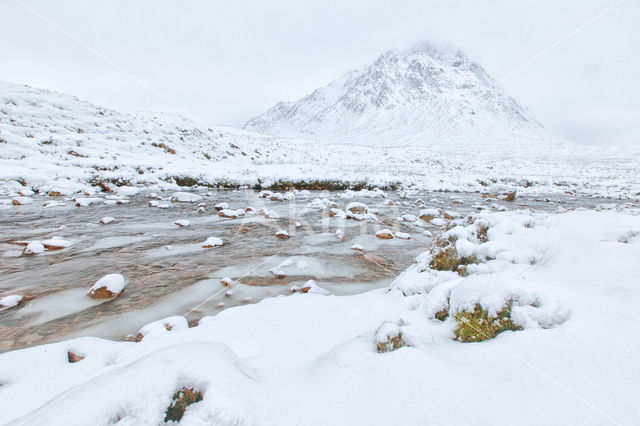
424, 96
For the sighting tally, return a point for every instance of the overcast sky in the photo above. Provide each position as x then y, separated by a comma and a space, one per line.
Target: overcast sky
222, 62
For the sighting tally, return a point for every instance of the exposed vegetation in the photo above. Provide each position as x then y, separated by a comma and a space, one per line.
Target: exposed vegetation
166, 147
445, 256
478, 325
181, 400
391, 344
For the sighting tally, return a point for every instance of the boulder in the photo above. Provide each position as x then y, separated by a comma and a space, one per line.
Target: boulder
384, 234
108, 287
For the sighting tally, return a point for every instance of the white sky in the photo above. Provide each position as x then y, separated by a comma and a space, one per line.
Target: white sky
226, 61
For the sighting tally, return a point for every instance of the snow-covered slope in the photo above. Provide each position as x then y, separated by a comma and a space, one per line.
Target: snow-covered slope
48, 139
424, 96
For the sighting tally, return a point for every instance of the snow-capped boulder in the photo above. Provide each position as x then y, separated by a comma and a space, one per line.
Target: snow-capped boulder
185, 197
428, 214
212, 242
108, 287
106, 220
310, 287
221, 206
33, 247
340, 214
21, 201
84, 202
10, 301
230, 213
182, 223
59, 192
402, 235
282, 234
357, 208
384, 234
56, 243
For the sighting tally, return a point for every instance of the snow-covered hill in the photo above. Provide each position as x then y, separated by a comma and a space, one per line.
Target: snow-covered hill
48, 139
424, 96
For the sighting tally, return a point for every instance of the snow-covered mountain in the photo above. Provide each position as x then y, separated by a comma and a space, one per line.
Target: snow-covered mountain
424, 95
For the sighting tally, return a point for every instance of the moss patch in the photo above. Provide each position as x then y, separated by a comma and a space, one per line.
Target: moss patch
181, 400
478, 325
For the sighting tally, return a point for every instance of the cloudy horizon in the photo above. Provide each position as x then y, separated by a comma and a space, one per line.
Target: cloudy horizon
570, 65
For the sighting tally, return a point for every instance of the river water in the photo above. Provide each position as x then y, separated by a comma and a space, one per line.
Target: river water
168, 271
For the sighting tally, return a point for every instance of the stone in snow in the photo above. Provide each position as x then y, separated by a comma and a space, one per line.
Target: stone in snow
107, 287
357, 247
403, 235
84, 202
56, 243
270, 214
10, 301
185, 197
221, 206
59, 192
228, 293
26, 192
162, 327
340, 214
153, 203
127, 191
277, 272
384, 234
74, 357
428, 214
21, 201
276, 196
212, 242
106, 219
226, 281
283, 235
52, 203
34, 247
357, 208
408, 218
230, 213
309, 287
437, 222
182, 223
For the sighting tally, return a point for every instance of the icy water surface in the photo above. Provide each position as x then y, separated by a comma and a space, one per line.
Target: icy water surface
168, 271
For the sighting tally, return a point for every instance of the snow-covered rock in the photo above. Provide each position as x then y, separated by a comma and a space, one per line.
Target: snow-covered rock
212, 242
182, 223
56, 243
34, 247
21, 201
106, 220
107, 287
10, 301
185, 197
384, 234
161, 328
282, 234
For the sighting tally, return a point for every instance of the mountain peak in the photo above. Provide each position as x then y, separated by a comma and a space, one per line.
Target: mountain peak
424, 94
